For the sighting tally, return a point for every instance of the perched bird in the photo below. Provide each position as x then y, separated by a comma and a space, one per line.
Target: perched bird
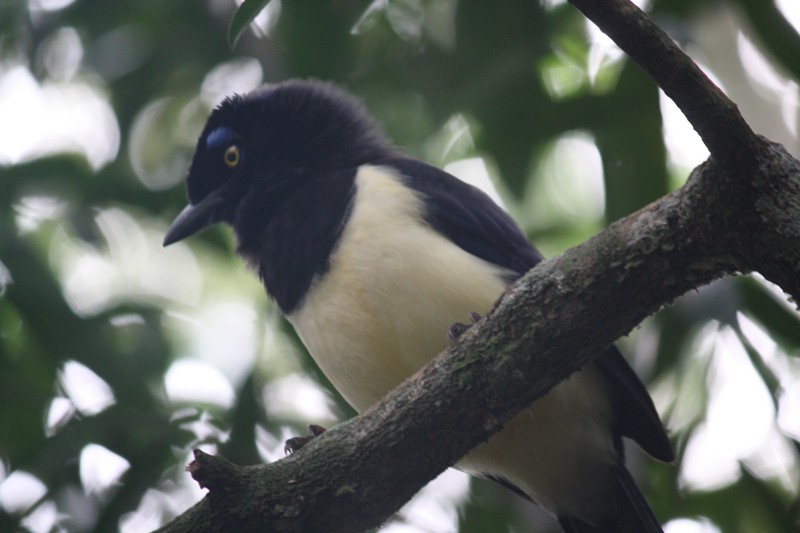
372, 256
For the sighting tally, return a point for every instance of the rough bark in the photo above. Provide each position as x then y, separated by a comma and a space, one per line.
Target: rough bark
739, 212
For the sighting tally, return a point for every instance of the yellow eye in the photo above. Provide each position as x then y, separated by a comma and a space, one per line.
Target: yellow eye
232, 156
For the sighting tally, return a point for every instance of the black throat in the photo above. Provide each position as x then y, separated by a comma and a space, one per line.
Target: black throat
294, 245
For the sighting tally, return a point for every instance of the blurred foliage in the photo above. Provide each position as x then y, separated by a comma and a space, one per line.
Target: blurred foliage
571, 132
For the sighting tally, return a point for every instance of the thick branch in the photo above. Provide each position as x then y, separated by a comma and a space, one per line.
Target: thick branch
775, 196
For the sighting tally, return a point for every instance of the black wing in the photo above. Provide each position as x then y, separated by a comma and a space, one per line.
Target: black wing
636, 415
468, 217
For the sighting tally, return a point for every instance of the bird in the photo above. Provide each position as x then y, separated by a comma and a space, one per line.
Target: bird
373, 256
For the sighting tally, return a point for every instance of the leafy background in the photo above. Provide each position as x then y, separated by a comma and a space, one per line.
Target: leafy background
117, 356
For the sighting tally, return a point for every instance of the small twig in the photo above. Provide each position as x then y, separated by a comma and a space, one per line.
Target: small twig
214, 472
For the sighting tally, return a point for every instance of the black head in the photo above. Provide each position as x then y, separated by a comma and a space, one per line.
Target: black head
264, 145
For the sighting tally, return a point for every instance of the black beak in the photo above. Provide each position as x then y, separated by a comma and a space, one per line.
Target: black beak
195, 218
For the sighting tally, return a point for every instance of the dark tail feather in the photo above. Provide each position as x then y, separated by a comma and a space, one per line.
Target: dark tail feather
633, 513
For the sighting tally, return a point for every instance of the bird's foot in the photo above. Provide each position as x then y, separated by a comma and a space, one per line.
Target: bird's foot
295, 443
458, 329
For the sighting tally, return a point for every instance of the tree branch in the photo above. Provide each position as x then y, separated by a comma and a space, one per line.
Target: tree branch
748, 163
712, 114
739, 211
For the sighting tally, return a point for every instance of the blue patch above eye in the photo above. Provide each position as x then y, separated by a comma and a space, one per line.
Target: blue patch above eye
222, 136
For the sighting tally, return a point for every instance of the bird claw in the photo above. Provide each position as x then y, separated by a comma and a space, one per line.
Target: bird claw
295, 443
458, 329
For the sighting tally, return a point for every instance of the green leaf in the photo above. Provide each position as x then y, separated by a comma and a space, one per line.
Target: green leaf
248, 11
